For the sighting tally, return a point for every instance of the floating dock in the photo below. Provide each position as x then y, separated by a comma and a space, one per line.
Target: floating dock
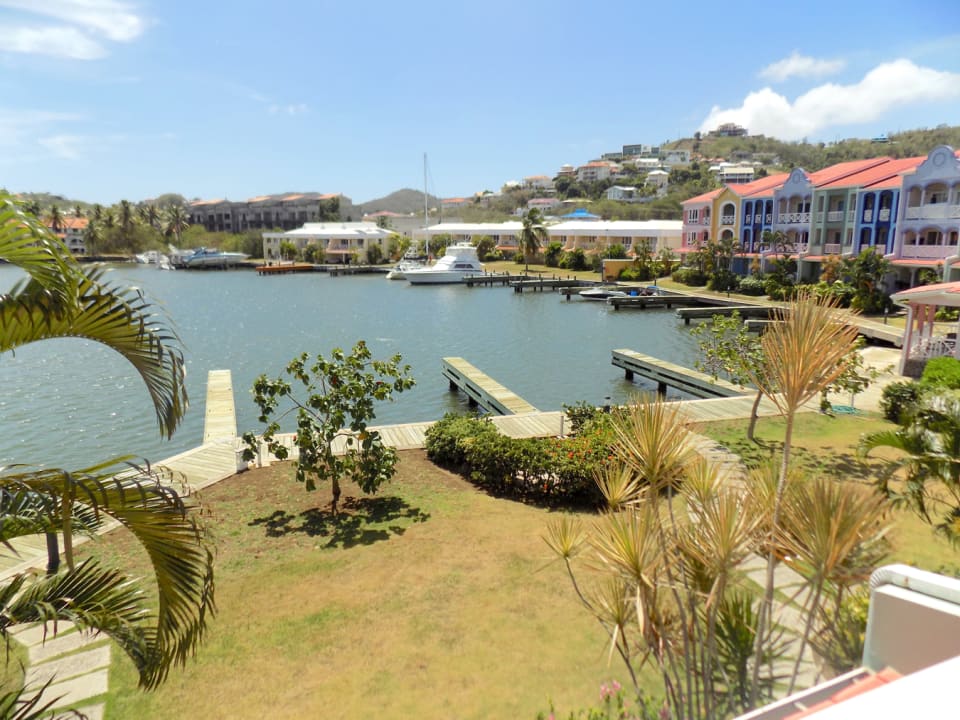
667, 374
554, 283
745, 311
653, 301
482, 389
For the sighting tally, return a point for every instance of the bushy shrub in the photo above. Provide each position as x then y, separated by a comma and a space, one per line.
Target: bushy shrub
941, 372
547, 470
752, 285
580, 414
689, 276
574, 260
724, 282
946, 314
447, 439
898, 399
551, 256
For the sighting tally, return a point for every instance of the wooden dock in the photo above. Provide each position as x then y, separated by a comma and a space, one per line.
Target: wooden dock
491, 279
482, 389
705, 313
286, 269
653, 301
668, 374
220, 416
554, 283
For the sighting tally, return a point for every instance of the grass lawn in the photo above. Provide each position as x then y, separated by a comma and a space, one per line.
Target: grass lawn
827, 445
431, 600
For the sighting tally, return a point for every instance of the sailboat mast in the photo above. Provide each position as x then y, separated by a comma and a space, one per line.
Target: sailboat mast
426, 212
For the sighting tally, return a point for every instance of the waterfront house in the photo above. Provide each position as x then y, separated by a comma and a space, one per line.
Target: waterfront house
72, 231
698, 220
285, 211
340, 241
503, 234
593, 236
928, 220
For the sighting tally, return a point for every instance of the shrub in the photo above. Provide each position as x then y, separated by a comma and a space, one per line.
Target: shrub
941, 372
574, 260
580, 414
898, 399
689, 276
551, 256
946, 314
447, 439
752, 285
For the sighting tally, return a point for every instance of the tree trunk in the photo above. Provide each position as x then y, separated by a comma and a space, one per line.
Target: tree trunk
335, 487
754, 414
53, 553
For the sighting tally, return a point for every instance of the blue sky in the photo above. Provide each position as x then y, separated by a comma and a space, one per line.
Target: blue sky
108, 99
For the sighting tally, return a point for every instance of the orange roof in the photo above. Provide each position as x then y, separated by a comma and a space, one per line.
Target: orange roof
877, 174
858, 687
206, 202
703, 198
842, 170
293, 197
763, 186
72, 223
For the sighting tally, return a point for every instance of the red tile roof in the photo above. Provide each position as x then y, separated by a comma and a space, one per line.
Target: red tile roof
886, 172
858, 687
703, 198
842, 170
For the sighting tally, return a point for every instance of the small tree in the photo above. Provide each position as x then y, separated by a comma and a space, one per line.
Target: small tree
337, 402
532, 236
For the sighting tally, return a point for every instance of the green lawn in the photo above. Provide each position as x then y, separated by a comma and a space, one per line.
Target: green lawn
431, 600
827, 445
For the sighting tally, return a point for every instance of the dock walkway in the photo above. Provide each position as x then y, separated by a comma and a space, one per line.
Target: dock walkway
482, 389
669, 374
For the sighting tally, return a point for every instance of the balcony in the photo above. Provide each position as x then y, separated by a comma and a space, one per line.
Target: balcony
927, 252
835, 216
868, 216
884, 215
937, 346
934, 212
831, 249
727, 219
794, 218
819, 217
769, 219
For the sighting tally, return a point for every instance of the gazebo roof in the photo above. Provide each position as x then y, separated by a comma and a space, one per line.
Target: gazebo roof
945, 294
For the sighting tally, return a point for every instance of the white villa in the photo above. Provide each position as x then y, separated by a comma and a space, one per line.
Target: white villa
339, 240
587, 235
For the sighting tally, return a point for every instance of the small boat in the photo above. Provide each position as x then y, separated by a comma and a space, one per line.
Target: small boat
459, 262
204, 257
601, 293
151, 257
398, 271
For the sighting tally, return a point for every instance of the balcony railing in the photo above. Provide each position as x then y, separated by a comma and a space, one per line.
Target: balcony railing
727, 219
835, 216
819, 217
851, 215
926, 252
933, 211
938, 346
868, 216
794, 218
831, 249
769, 218
884, 215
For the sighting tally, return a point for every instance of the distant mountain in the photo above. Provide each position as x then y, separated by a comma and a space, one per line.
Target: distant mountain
404, 202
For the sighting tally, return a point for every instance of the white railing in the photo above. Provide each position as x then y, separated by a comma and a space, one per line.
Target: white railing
835, 216
868, 216
938, 346
800, 248
933, 211
928, 251
851, 215
884, 215
794, 218
831, 249
769, 218
819, 217
727, 219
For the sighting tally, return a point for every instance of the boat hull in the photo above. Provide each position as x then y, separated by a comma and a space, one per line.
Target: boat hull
433, 277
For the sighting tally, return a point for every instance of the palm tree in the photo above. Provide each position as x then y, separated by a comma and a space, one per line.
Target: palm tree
177, 222
92, 237
929, 445
78, 211
125, 218
60, 299
532, 236
56, 218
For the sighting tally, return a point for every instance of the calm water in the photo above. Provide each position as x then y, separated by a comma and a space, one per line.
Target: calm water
72, 402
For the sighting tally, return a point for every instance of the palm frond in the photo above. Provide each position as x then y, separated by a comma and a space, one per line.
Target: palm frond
122, 319
28, 244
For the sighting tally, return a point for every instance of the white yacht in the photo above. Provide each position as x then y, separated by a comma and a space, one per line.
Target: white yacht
459, 262
400, 270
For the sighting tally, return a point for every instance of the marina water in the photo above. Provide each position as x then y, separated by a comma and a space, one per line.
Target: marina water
71, 403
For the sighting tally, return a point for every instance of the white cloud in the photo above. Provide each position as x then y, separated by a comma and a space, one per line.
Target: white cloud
65, 42
292, 109
798, 65
886, 87
17, 125
67, 147
80, 25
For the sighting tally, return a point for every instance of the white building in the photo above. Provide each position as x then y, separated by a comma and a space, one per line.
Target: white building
504, 234
340, 240
623, 193
595, 236
597, 170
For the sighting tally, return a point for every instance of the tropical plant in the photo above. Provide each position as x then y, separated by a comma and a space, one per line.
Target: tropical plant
928, 463
532, 235
333, 439
667, 558
55, 218
176, 222
59, 299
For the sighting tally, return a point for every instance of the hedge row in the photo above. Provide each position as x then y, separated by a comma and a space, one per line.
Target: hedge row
542, 470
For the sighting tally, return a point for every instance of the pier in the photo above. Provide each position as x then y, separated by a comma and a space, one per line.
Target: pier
705, 313
287, 269
491, 279
482, 389
555, 283
667, 374
653, 301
